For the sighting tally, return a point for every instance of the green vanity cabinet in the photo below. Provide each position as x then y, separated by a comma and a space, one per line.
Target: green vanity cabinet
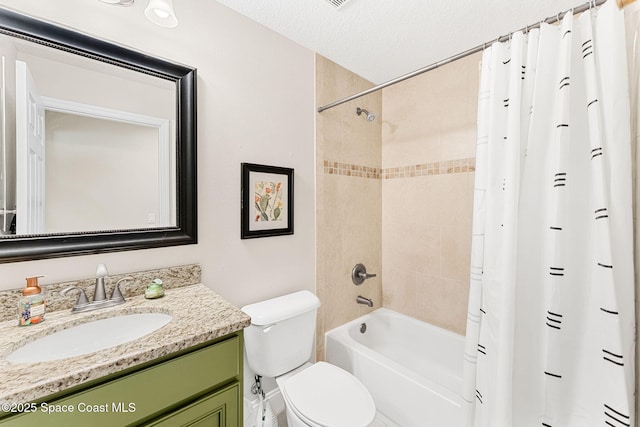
201, 386
216, 410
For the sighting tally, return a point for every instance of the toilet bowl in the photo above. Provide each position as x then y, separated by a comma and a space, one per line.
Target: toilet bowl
279, 343
322, 394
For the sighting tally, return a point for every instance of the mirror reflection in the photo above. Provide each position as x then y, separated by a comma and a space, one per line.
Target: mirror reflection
84, 145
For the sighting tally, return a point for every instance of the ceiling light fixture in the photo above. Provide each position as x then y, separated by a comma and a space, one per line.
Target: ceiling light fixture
161, 12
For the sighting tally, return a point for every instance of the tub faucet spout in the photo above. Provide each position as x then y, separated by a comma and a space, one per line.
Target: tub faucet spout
362, 300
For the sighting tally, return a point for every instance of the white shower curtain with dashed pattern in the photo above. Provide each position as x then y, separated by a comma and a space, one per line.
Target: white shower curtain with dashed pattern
550, 330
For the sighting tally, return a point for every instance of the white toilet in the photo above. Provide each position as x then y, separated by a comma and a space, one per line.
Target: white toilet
279, 342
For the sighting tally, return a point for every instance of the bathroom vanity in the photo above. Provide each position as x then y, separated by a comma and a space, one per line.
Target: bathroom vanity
188, 371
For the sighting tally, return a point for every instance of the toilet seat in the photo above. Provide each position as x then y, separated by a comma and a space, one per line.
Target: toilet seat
314, 390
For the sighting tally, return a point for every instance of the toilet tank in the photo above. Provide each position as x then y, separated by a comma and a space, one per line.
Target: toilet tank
280, 337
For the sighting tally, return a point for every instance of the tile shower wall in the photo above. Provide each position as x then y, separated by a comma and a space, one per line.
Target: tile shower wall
348, 194
428, 160
396, 194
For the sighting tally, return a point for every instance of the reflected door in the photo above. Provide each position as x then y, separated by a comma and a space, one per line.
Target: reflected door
30, 154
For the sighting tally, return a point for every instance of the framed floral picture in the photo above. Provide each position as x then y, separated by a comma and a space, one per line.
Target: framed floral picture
267, 201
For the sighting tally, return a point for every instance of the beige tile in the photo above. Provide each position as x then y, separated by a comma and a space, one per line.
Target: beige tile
432, 116
413, 247
459, 142
329, 238
320, 348
361, 139
320, 330
329, 135
456, 252
348, 207
455, 192
442, 302
333, 82
402, 144
399, 290
427, 219
426, 198
414, 231
340, 306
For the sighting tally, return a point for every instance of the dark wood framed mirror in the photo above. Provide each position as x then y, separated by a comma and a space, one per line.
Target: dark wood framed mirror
179, 184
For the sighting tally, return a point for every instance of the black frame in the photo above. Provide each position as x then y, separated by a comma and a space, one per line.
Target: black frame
30, 247
247, 201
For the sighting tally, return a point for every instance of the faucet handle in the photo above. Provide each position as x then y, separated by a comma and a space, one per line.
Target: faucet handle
82, 300
359, 274
117, 295
101, 271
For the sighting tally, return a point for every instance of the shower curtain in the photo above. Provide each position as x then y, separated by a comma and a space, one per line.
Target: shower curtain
551, 324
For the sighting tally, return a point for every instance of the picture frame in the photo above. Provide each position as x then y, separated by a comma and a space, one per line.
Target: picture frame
266, 201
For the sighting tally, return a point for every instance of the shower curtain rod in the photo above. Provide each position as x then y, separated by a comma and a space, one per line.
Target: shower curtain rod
550, 20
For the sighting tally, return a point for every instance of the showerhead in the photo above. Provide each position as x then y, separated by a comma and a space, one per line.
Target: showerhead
370, 116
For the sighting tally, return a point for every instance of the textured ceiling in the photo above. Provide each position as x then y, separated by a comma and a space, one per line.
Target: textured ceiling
383, 39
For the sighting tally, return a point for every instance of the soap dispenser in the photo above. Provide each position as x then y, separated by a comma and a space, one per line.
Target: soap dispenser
32, 305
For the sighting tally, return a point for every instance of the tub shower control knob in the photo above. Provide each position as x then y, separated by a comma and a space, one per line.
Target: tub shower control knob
359, 274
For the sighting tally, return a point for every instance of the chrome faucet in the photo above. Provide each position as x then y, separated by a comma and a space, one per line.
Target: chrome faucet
366, 301
99, 294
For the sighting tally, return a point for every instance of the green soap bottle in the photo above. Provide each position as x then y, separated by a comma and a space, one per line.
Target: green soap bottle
32, 305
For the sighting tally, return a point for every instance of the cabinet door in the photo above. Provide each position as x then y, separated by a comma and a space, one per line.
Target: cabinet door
215, 410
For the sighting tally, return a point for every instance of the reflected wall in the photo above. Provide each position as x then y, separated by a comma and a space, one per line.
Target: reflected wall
123, 125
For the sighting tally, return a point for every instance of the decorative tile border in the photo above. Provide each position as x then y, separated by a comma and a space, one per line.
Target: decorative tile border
347, 169
432, 168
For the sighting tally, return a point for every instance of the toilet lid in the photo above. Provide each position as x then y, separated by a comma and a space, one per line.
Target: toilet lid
322, 386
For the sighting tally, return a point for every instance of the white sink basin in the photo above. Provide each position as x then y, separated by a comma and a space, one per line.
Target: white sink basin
89, 337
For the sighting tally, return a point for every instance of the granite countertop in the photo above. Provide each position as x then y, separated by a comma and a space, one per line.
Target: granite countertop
199, 315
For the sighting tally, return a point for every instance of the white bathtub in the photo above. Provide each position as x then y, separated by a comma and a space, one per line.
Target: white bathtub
412, 369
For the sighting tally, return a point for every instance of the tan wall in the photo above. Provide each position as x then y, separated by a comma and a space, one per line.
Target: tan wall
348, 193
428, 160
